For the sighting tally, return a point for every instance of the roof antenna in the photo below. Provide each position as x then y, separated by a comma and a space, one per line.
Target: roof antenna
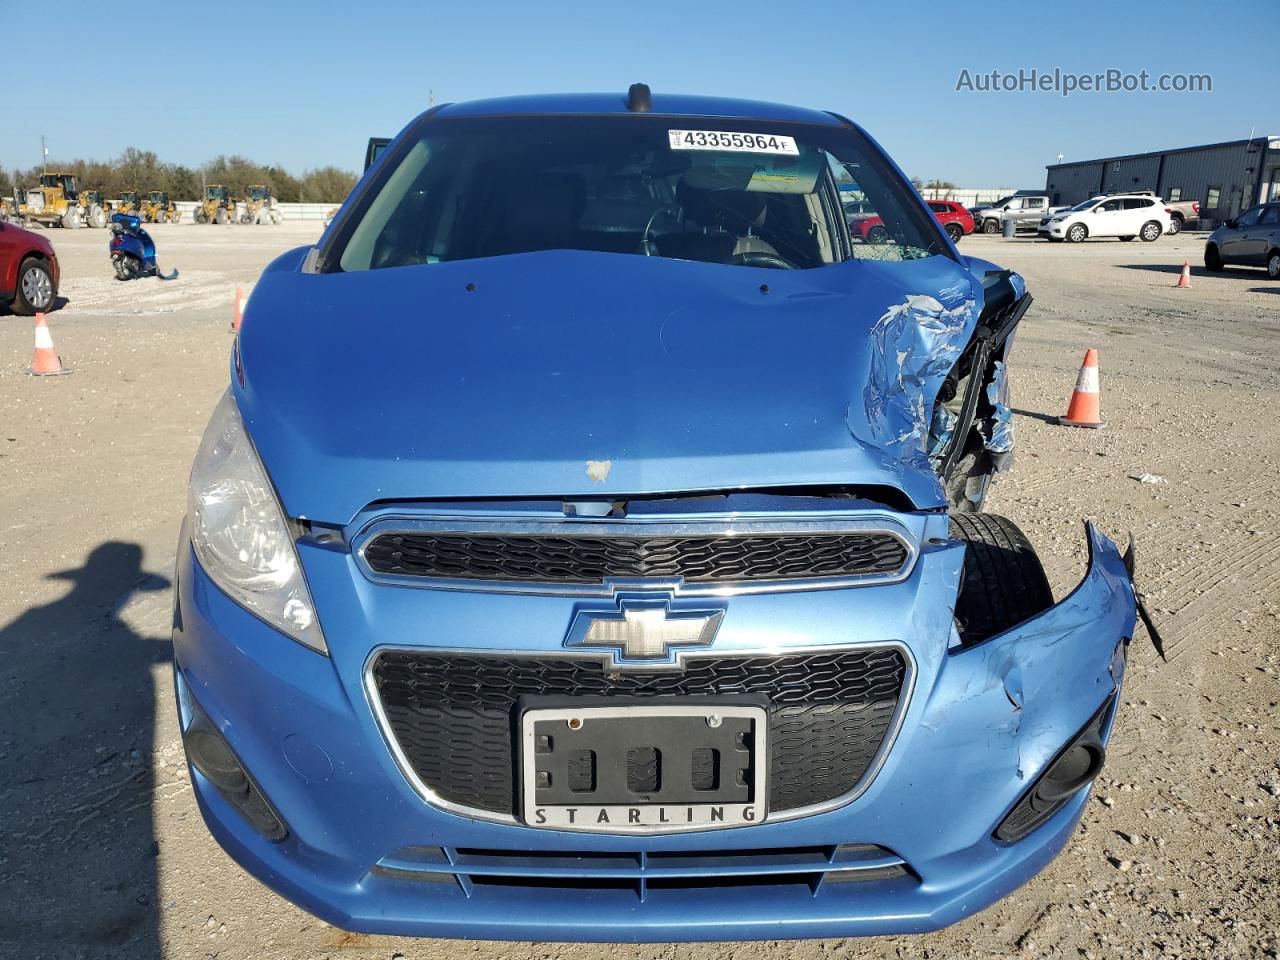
638, 99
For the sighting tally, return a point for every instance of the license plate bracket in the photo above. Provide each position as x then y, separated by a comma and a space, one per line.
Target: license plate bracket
644, 768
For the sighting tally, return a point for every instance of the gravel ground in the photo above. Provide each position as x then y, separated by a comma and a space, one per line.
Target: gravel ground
102, 850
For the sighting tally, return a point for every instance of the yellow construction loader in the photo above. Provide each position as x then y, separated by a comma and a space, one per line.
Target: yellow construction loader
157, 208
218, 205
259, 205
95, 210
129, 202
55, 203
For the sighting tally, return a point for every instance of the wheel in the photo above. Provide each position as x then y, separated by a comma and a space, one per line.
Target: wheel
221, 216
97, 218
1150, 231
1077, 233
127, 267
71, 219
1175, 226
1212, 258
1002, 583
877, 234
1273, 265
955, 232
990, 226
1128, 238
35, 288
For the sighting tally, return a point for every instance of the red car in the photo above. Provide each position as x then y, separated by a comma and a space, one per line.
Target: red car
28, 270
955, 219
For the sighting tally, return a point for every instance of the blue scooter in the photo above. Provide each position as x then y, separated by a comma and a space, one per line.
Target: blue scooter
133, 252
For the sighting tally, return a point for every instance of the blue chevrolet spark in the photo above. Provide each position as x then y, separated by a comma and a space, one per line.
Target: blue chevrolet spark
588, 547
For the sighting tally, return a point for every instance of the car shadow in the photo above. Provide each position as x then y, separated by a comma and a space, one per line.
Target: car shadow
58, 303
76, 782
1274, 289
1196, 271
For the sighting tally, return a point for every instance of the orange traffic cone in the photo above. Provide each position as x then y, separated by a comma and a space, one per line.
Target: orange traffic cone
239, 317
1085, 407
1185, 279
45, 362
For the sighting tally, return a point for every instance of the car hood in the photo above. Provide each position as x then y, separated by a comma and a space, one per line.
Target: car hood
579, 374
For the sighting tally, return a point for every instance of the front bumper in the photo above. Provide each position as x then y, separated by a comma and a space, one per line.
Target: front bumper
1052, 229
979, 726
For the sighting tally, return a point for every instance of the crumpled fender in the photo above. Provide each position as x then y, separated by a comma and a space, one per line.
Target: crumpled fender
1018, 696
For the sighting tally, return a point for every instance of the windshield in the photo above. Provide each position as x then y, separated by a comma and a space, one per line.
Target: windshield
728, 191
1085, 205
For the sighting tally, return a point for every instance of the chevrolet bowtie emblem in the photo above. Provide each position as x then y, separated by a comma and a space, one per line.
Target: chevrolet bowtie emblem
643, 634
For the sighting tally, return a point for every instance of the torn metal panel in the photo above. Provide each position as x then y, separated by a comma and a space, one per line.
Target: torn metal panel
915, 344
998, 437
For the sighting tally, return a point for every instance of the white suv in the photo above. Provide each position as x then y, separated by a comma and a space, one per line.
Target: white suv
1122, 215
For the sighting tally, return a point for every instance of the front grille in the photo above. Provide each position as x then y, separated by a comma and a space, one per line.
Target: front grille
648, 872
592, 559
453, 715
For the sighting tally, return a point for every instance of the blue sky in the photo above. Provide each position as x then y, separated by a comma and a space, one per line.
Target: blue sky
305, 84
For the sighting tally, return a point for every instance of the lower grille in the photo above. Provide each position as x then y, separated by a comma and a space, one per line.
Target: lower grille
643, 873
453, 715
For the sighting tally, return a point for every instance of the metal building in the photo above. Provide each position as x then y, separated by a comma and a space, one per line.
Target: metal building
1225, 177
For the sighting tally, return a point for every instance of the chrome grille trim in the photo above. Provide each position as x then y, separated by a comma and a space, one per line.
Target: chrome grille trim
569, 527
424, 791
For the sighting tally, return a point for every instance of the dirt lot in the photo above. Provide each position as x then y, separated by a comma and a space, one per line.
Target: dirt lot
102, 850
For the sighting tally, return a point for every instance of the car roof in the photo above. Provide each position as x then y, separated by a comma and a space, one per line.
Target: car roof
663, 104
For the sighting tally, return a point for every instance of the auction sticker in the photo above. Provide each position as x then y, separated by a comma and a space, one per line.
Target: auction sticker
735, 142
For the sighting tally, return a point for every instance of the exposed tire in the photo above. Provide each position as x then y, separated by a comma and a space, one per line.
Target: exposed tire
221, 216
955, 232
1175, 226
1003, 582
1151, 231
1077, 233
1273, 265
990, 226
1212, 258
35, 292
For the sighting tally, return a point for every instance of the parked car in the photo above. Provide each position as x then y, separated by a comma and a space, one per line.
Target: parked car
640, 592
955, 219
1250, 240
28, 270
1180, 211
1116, 215
1024, 209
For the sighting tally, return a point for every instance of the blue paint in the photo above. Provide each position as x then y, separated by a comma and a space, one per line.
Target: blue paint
529, 379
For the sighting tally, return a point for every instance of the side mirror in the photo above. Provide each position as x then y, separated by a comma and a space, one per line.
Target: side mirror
1233, 223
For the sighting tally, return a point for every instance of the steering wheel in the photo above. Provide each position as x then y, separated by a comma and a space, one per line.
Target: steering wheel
759, 259
646, 243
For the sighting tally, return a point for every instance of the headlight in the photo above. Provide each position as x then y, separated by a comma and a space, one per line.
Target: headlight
239, 533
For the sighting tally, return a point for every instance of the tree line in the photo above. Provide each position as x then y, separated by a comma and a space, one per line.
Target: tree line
143, 171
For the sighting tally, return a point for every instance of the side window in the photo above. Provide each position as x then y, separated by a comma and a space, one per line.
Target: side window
1036, 203
1175, 194
1137, 203
938, 207
1271, 217
1111, 206
1249, 217
1212, 197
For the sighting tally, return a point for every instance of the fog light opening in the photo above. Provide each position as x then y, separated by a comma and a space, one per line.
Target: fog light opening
214, 759
1073, 769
